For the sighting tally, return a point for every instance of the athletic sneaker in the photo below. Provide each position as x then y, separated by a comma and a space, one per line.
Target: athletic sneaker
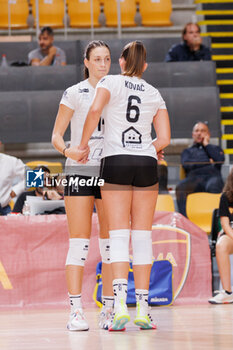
77, 321
143, 318
221, 298
120, 317
105, 317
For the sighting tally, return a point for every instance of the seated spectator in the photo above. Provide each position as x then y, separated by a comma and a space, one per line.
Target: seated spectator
51, 194
47, 54
224, 246
191, 49
18, 207
202, 164
10, 169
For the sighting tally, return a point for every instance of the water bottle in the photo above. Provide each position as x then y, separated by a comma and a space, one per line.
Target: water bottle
26, 209
4, 62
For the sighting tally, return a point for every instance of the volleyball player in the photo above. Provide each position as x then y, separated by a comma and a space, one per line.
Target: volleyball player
79, 200
129, 168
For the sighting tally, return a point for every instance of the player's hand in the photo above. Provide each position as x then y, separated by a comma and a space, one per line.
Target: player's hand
77, 154
206, 139
83, 154
160, 155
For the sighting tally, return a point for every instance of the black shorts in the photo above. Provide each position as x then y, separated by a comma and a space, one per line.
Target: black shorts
80, 185
138, 171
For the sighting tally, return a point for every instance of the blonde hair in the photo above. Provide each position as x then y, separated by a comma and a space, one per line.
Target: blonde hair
134, 55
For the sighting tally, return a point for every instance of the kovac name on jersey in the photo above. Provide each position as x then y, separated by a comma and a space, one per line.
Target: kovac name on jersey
132, 86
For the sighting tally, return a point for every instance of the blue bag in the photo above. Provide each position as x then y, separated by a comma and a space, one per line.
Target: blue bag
160, 291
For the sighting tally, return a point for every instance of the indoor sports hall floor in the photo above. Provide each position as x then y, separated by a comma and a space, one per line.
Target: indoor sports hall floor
179, 327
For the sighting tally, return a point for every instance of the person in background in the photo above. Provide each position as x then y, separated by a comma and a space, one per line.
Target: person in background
47, 54
191, 49
224, 246
38, 192
10, 169
202, 165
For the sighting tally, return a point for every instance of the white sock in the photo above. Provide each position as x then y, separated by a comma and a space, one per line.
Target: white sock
107, 301
120, 289
75, 302
142, 296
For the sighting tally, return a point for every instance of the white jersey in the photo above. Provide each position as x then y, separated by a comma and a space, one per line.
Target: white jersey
128, 115
79, 98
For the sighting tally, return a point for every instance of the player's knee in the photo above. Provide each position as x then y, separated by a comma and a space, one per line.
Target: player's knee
142, 247
104, 245
119, 245
78, 251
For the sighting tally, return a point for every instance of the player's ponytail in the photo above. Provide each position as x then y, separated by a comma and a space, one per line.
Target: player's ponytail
134, 54
228, 188
92, 45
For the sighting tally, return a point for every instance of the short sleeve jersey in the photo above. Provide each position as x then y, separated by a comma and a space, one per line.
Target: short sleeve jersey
79, 97
226, 208
129, 114
37, 53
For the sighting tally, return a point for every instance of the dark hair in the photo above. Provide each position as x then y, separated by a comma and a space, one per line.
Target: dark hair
228, 188
202, 122
184, 31
43, 167
47, 30
91, 46
134, 54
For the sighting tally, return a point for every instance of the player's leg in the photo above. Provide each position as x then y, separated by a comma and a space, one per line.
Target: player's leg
143, 208
117, 204
224, 248
104, 245
79, 215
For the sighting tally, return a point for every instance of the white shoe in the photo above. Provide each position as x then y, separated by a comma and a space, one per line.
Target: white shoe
120, 317
221, 298
105, 317
143, 318
77, 321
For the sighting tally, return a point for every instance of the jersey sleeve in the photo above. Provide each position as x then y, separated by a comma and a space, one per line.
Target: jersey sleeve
224, 206
161, 102
106, 83
69, 98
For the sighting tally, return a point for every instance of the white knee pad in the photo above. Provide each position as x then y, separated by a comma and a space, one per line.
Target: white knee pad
104, 245
119, 245
142, 247
78, 250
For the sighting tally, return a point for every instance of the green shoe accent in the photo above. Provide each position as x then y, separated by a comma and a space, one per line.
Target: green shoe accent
120, 318
143, 321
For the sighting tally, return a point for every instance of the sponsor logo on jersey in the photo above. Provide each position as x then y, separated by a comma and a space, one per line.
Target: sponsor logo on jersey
131, 137
83, 90
34, 178
65, 93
